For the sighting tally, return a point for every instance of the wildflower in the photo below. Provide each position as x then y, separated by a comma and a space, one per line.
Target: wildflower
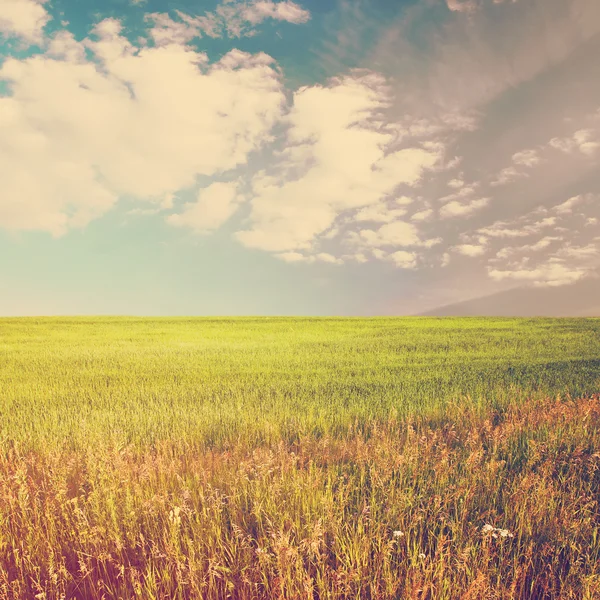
422, 556
398, 533
496, 531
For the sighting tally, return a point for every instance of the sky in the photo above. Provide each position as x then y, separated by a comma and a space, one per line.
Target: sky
319, 157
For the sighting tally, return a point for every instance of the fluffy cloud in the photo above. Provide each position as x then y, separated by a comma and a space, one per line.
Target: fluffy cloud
24, 19
456, 183
214, 205
549, 273
569, 205
519, 228
585, 141
280, 11
351, 171
422, 215
564, 251
508, 175
232, 19
398, 233
403, 259
168, 31
339, 156
526, 158
381, 213
297, 257
470, 6
470, 249
77, 134
462, 5
456, 208
463, 191
541, 244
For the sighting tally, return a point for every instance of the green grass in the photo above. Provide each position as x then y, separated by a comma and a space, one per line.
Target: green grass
70, 381
282, 458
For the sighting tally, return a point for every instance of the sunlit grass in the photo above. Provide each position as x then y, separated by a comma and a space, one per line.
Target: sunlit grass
299, 458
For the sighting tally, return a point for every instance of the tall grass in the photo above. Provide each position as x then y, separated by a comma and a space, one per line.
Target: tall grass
299, 458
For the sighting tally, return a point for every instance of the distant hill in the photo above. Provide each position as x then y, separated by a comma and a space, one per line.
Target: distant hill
581, 299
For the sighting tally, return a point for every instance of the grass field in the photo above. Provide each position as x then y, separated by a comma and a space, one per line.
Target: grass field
299, 458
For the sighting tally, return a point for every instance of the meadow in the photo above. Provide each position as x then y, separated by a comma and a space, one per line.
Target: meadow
251, 458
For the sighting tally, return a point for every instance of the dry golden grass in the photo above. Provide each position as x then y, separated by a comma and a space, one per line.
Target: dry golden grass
396, 509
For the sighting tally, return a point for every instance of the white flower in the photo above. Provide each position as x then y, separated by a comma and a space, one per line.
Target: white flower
496, 531
422, 556
398, 533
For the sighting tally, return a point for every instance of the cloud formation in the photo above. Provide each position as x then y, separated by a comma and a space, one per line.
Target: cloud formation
480, 154
24, 19
215, 204
230, 19
77, 134
558, 250
339, 156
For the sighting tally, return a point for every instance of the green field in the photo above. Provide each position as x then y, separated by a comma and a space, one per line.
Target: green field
69, 381
299, 458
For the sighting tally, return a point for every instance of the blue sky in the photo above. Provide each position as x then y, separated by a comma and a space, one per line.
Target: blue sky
273, 157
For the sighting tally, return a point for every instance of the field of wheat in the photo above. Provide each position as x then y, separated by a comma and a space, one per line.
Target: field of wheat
260, 458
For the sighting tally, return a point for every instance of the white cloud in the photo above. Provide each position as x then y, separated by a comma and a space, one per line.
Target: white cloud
463, 191
337, 159
541, 244
232, 19
550, 273
75, 135
561, 218
508, 175
24, 19
214, 205
403, 259
462, 209
167, 31
422, 215
519, 228
567, 255
292, 257
281, 11
398, 233
359, 257
238, 19
456, 183
585, 141
470, 250
379, 213
462, 5
589, 251
296, 257
567, 206
526, 158
328, 258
